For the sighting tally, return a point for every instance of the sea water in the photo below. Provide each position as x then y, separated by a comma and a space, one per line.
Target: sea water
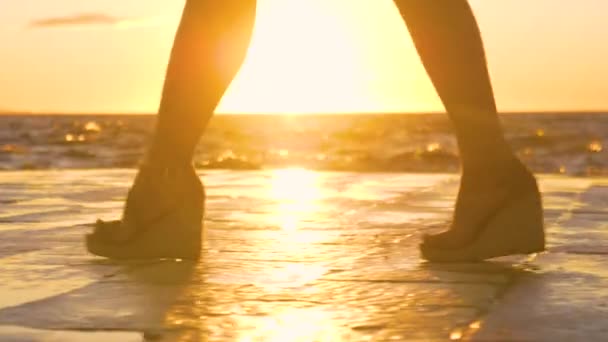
567, 143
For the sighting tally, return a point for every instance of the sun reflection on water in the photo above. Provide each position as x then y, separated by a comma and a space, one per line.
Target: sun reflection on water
297, 193
305, 324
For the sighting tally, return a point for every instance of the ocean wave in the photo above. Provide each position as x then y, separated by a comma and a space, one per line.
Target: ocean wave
549, 143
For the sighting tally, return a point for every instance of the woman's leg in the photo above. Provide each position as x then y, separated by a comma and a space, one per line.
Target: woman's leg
209, 48
449, 43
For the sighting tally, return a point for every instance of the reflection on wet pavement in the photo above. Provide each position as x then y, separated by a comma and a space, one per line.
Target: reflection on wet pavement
290, 255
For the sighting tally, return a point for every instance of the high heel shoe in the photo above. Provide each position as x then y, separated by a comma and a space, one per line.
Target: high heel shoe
176, 232
517, 228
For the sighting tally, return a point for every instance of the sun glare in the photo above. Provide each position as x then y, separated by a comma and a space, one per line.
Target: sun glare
296, 192
307, 324
320, 56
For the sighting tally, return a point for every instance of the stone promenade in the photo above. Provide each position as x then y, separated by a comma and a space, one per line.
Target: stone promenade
294, 255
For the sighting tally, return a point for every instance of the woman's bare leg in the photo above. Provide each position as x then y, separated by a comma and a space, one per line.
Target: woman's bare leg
449, 42
209, 48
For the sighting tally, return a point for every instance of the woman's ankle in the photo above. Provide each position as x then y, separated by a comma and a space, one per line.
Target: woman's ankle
498, 172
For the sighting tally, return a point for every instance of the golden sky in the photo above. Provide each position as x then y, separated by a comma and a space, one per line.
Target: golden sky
306, 56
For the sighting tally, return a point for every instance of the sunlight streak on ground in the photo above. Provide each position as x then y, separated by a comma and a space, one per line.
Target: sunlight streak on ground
296, 192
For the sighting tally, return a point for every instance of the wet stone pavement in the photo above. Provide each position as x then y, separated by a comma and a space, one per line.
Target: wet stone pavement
295, 255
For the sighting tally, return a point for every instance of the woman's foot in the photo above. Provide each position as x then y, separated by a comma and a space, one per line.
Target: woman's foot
162, 218
482, 196
517, 228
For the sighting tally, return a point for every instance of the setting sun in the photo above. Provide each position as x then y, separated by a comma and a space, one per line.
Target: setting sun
319, 56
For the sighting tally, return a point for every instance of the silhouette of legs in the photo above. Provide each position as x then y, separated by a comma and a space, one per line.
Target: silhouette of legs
209, 48
449, 43
210, 45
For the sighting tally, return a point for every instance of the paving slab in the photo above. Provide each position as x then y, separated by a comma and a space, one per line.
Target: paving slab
294, 255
